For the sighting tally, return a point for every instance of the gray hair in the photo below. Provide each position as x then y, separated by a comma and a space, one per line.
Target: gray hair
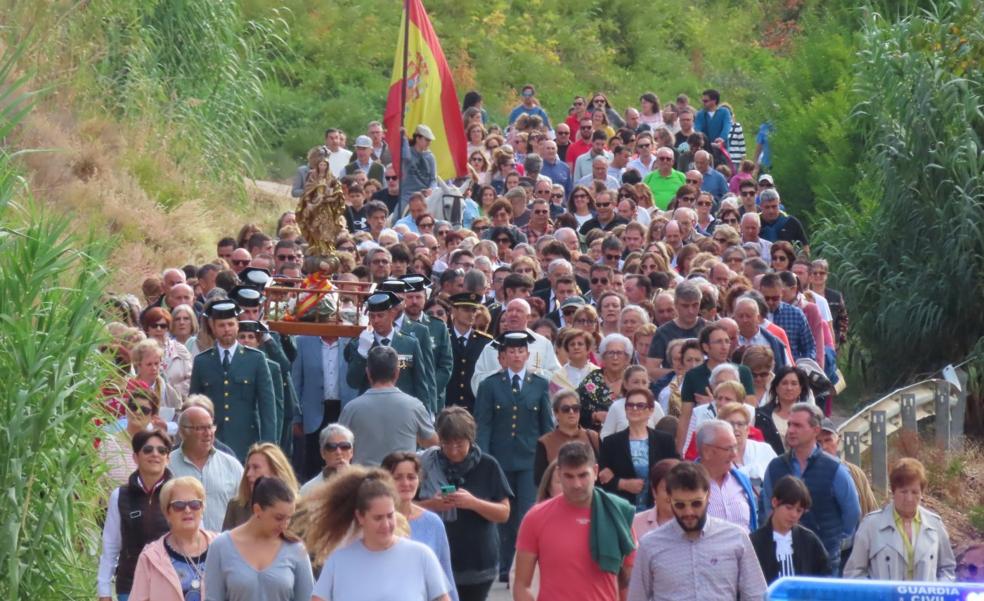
481, 261
757, 265
533, 162
634, 309
816, 415
718, 372
751, 217
475, 280
747, 300
767, 195
557, 264
614, 338
600, 159
688, 292
708, 431
335, 430
515, 193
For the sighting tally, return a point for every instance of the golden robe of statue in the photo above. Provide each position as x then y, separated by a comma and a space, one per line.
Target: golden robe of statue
321, 211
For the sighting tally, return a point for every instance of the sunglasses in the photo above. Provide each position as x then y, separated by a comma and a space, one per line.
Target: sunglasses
141, 409
240, 261
157, 326
285, 257
730, 221
603, 205
335, 446
704, 203
681, 505
580, 196
613, 257
748, 193
637, 406
560, 195
194, 505
431, 224
392, 178
599, 280
569, 409
151, 448
584, 127
563, 133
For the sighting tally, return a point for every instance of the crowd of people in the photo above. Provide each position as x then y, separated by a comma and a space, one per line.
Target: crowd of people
599, 367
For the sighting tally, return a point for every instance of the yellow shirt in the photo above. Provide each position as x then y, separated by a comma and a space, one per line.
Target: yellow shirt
907, 543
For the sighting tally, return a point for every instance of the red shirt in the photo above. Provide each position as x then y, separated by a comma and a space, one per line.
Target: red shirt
576, 149
558, 534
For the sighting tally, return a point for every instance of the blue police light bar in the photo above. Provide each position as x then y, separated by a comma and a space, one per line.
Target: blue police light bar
831, 589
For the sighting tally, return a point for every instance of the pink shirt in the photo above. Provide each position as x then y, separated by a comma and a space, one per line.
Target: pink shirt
728, 502
557, 533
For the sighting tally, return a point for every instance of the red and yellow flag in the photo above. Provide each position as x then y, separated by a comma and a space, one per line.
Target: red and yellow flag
430, 97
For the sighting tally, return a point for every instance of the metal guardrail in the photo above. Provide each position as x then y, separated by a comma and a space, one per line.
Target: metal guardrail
903, 409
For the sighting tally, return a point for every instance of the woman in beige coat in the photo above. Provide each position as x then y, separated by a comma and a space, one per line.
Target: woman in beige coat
903, 540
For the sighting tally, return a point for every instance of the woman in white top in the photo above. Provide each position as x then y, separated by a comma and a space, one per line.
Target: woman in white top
635, 377
379, 564
753, 456
576, 345
581, 205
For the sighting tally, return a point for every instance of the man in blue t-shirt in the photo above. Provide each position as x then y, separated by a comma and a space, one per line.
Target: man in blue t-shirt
529, 106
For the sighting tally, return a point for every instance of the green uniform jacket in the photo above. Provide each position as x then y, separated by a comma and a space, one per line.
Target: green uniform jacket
459, 390
443, 359
412, 377
245, 409
278, 394
509, 424
423, 336
275, 348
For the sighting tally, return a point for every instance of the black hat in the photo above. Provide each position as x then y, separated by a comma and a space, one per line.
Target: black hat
254, 277
466, 299
253, 326
382, 301
416, 282
521, 338
246, 296
223, 309
393, 285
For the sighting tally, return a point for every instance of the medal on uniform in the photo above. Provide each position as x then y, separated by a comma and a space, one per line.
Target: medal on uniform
195, 584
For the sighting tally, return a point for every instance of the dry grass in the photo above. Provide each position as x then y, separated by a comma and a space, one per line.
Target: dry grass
117, 180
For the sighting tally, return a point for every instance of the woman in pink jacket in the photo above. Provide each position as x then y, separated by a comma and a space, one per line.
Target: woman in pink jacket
172, 568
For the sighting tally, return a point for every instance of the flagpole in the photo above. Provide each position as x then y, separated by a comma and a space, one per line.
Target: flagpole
403, 85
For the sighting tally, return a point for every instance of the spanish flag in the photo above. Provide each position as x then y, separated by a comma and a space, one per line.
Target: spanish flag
430, 95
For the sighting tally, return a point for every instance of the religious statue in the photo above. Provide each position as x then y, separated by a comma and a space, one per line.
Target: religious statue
321, 211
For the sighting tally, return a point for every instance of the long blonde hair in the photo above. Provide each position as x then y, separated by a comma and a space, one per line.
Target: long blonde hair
279, 465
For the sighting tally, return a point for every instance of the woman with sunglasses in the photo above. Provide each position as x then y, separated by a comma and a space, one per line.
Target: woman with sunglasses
141, 406
627, 457
176, 361
134, 517
264, 460
599, 103
172, 568
567, 413
581, 205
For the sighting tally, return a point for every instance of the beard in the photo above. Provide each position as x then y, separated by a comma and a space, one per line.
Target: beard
700, 523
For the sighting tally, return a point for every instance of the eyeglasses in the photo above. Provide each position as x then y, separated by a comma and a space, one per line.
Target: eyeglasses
336, 446
558, 195
748, 193
200, 429
240, 262
818, 273
194, 505
579, 196
599, 280
614, 354
637, 406
151, 448
392, 178
157, 326
681, 505
599, 101
428, 224
584, 322
141, 409
569, 409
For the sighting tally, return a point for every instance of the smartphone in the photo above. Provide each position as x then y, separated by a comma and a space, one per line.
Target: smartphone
447, 489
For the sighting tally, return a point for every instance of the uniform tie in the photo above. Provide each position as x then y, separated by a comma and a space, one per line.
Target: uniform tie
515, 383
463, 341
226, 359
384, 341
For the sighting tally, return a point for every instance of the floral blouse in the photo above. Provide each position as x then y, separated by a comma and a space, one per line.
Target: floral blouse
595, 396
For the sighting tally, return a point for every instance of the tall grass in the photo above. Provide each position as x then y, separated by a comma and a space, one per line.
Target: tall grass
50, 375
910, 253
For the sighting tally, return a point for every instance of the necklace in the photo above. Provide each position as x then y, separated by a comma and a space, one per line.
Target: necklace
196, 582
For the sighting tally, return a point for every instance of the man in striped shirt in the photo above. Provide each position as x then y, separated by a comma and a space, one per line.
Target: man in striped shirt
696, 556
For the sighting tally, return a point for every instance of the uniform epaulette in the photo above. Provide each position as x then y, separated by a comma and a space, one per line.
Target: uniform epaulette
483, 334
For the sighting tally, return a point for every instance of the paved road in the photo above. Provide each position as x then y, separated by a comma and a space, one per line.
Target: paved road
500, 593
